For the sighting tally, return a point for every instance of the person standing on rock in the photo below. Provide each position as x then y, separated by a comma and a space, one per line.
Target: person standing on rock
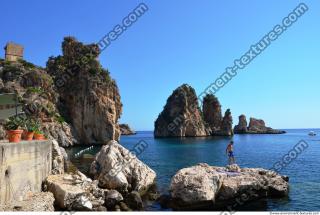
229, 152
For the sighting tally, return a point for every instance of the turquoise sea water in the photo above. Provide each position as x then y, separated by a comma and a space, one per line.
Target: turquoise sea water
167, 156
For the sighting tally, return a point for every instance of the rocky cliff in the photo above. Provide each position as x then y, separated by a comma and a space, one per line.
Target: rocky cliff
88, 98
74, 97
256, 126
181, 116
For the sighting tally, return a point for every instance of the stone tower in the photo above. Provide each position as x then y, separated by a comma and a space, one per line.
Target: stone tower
13, 52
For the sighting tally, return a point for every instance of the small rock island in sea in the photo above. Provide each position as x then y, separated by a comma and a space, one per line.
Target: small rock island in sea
126, 130
182, 117
256, 126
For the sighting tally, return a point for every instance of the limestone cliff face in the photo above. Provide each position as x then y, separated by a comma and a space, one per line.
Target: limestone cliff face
88, 98
181, 116
212, 112
241, 128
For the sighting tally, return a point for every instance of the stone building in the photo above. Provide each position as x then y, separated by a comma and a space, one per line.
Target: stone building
13, 52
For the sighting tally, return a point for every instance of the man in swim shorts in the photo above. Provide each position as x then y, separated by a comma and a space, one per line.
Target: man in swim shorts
229, 152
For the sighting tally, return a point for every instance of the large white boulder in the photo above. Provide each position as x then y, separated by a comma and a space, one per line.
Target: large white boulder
117, 168
208, 187
75, 192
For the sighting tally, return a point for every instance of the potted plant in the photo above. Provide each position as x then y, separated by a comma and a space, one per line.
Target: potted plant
39, 135
13, 127
30, 127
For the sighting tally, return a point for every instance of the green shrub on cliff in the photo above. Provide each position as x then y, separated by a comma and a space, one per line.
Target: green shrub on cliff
76, 59
11, 71
26, 64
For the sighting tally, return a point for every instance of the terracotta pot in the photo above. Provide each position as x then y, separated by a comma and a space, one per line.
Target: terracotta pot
14, 136
28, 135
39, 136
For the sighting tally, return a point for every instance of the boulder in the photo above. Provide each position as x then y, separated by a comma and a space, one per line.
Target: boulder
112, 198
126, 130
134, 201
181, 116
203, 187
241, 128
74, 192
117, 168
124, 207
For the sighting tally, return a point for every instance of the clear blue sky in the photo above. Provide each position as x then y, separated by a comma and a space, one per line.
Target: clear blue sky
192, 42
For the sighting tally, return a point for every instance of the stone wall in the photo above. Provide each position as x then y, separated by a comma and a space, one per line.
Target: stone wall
23, 168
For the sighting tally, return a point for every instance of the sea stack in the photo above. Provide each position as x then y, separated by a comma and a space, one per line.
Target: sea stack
218, 125
226, 125
212, 112
242, 127
256, 126
181, 116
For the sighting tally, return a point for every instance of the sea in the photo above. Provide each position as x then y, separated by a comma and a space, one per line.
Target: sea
295, 154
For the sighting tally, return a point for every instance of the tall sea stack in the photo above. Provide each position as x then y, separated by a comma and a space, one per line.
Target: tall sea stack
181, 116
212, 112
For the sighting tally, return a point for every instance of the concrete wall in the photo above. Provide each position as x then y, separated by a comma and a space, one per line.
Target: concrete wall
23, 167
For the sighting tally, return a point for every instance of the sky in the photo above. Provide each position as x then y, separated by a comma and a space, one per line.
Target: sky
185, 41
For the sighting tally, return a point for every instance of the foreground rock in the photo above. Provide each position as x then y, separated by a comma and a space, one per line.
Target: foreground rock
75, 192
36, 202
126, 130
181, 116
117, 168
207, 187
256, 126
